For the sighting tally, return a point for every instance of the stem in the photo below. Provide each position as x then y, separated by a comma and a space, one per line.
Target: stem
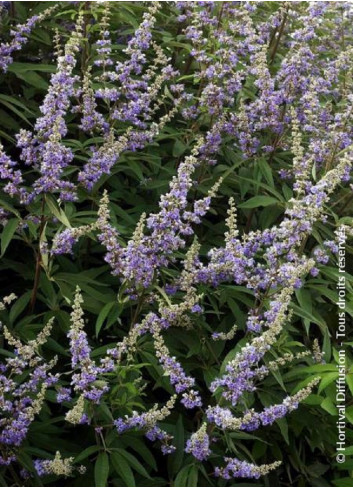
38, 261
219, 19
280, 32
137, 310
273, 37
85, 53
188, 65
343, 49
12, 9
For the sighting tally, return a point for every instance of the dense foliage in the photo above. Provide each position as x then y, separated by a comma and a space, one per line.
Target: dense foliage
175, 190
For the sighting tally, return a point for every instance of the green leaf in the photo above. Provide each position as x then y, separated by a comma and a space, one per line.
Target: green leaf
25, 460
102, 316
133, 462
123, 469
302, 313
178, 148
176, 459
14, 110
7, 234
86, 453
57, 212
258, 201
9, 207
328, 405
19, 306
326, 380
283, 426
33, 79
25, 67
344, 482
182, 477
266, 171
101, 470
193, 476
349, 380
139, 447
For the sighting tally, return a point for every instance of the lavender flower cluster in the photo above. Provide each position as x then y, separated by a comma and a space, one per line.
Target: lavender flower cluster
21, 401
19, 37
122, 103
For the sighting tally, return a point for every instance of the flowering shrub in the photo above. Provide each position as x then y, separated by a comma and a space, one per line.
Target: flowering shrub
175, 182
